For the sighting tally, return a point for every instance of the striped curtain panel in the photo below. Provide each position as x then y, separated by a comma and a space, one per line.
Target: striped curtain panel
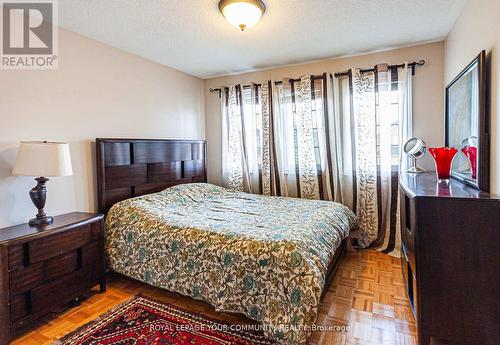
270, 182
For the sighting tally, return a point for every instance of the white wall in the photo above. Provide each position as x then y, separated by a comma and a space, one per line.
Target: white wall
428, 99
98, 91
478, 28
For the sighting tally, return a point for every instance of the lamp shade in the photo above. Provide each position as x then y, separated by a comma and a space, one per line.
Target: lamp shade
41, 158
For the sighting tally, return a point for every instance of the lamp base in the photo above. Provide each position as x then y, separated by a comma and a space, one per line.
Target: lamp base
38, 195
41, 221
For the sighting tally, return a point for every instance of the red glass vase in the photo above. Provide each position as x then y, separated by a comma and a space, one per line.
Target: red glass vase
443, 156
471, 153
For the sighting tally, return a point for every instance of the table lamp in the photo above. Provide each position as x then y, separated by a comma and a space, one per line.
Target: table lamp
43, 159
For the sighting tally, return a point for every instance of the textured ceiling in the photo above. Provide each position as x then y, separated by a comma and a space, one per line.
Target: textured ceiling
192, 36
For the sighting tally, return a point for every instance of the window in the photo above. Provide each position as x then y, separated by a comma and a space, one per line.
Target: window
387, 118
253, 126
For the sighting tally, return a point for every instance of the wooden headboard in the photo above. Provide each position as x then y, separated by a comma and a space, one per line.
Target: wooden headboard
131, 167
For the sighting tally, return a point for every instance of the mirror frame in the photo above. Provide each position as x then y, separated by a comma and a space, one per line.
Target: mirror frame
424, 147
483, 159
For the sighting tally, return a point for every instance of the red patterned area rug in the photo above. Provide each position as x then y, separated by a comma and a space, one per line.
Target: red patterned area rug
141, 321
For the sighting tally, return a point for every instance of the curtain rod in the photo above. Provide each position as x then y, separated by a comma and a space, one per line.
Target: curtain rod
313, 77
411, 64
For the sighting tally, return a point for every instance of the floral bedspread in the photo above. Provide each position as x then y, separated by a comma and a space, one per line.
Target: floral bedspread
265, 257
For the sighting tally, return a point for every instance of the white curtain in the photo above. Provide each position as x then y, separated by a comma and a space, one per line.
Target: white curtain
342, 131
405, 90
235, 170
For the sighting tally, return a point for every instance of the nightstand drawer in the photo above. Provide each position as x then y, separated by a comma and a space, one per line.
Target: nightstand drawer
19, 306
17, 257
61, 290
61, 265
95, 231
56, 245
25, 279
91, 253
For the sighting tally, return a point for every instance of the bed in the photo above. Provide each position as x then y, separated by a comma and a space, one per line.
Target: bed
266, 257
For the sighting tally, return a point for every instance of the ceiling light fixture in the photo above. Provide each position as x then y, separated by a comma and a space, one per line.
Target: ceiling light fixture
242, 13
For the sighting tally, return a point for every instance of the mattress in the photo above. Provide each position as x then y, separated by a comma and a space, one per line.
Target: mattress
265, 257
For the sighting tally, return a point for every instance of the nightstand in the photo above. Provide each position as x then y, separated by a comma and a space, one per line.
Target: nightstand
44, 268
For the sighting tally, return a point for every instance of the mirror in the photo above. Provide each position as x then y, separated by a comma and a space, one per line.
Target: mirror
415, 148
466, 124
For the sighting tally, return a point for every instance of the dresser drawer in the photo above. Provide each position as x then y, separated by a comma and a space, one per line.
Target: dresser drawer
58, 244
409, 243
408, 226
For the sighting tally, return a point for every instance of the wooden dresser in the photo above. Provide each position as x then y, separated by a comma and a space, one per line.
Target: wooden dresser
451, 260
42, 269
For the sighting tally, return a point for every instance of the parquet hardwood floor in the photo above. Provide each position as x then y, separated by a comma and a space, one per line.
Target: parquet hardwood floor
366, 294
